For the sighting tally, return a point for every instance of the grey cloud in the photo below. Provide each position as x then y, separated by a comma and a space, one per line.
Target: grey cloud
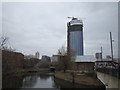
42, 27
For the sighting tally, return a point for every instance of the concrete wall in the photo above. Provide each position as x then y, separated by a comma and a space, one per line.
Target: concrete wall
1, 69
109, 81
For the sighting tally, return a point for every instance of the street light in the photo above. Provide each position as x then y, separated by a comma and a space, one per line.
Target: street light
111, 45
101, 52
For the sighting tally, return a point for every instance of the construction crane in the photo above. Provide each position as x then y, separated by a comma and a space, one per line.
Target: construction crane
79, 18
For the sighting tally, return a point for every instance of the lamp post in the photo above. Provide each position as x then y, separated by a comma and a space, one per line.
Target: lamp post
111, 45
101, 52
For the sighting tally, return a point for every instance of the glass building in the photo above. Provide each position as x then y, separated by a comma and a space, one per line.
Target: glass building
75, 37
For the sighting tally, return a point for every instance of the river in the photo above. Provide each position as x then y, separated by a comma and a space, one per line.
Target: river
29, 81
20, 82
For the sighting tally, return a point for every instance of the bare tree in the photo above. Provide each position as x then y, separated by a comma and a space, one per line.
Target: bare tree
3, 41
62, 51
9, 49
66, 60
72, 54
3, 44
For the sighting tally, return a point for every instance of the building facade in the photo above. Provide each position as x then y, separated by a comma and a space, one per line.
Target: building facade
11, 61
55, 58
98, 55
37, 55
85, 63
75, 37
46, 58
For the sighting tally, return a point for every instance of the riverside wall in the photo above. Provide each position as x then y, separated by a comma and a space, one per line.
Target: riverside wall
11, 61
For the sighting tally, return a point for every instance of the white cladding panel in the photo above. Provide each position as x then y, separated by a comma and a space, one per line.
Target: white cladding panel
54, 58
86, 58
74, 22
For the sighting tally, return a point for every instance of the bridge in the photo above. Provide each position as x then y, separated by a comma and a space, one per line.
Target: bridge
109, 75
110, 71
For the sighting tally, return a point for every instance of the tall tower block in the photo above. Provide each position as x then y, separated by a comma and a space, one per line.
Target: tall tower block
75, 37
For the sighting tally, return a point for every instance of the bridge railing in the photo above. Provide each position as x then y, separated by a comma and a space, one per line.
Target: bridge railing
110, 71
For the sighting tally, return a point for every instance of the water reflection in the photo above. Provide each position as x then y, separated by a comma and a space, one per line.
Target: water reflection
44, 77
28, 81
14, 81
37, 81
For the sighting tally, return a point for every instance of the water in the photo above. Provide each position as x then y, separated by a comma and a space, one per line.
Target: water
36, 81
29, 81
21, 82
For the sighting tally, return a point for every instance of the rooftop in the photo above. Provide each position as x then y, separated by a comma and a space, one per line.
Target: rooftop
85, 58
76, 21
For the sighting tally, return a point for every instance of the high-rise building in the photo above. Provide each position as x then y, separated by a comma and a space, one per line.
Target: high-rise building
37, 55
75, 37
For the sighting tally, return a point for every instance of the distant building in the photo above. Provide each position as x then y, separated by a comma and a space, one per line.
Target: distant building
108, 56
45, 58
37, 55
29, 56
98, 55
55, 58
75, 37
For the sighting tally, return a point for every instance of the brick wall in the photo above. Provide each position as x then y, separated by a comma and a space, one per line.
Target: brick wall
11, 61
85, 66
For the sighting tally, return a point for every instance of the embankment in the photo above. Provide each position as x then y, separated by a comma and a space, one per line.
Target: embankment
81, 79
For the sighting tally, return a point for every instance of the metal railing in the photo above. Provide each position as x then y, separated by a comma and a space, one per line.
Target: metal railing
110, 71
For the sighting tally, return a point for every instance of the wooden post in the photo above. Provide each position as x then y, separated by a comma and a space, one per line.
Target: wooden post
73, 78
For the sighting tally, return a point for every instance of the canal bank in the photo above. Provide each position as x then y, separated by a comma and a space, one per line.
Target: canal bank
24, 71
81, 79
47, 80
109, 80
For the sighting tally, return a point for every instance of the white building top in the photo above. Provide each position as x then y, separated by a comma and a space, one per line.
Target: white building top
85, 58
76, 22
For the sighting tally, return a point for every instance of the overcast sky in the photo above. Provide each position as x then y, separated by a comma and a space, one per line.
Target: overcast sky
33, 27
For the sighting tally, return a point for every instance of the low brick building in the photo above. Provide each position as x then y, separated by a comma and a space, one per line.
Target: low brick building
11, 61
85, 66
85, 63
